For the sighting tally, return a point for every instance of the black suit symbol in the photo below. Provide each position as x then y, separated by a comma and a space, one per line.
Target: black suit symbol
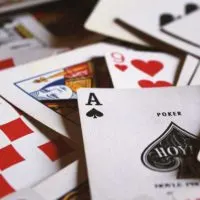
166, 18
190, 7
171, 151
94, 113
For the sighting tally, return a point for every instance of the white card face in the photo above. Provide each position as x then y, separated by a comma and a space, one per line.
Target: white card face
24, 44
102, 21
188, 70
136, 69
11, 57
150, 19
20, 27
70, 182
43, 83
25, 194
30, 152
185, 28
145, 139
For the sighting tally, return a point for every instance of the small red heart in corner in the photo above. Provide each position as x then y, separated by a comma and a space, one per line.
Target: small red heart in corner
121, 67
150, 84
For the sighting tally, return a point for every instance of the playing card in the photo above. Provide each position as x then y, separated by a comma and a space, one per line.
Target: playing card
38, 30
22, 27
137, 69
29, 151
25, 44
13, 57
70, 183
178, 28
102, 21
137, 139
188, 70
48, 83
150, 20
11, 5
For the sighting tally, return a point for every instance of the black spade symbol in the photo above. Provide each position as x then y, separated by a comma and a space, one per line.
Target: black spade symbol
170, 151
166, 18
190, 7
94, 113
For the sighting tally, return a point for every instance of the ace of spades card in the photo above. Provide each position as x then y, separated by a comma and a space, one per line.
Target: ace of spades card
150, 135
137, 69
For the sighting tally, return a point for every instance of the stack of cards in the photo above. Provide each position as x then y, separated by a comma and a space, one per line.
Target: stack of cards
107, 120
20, 36
138, 22
171, 22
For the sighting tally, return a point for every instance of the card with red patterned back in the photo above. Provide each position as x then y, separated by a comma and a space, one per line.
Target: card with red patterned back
28, 153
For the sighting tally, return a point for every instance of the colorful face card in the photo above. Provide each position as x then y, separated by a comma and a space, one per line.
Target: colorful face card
58, 89
60, 84
54, 80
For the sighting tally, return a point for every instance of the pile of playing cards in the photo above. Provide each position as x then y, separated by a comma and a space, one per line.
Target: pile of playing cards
112, 114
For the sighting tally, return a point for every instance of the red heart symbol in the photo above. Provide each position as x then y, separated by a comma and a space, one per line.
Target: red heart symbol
151, 67
150, 84
121, 67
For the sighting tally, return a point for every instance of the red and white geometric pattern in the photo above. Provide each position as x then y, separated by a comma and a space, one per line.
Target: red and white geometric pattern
5, 187
27, 154
55, 149
9, 157
20, 129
